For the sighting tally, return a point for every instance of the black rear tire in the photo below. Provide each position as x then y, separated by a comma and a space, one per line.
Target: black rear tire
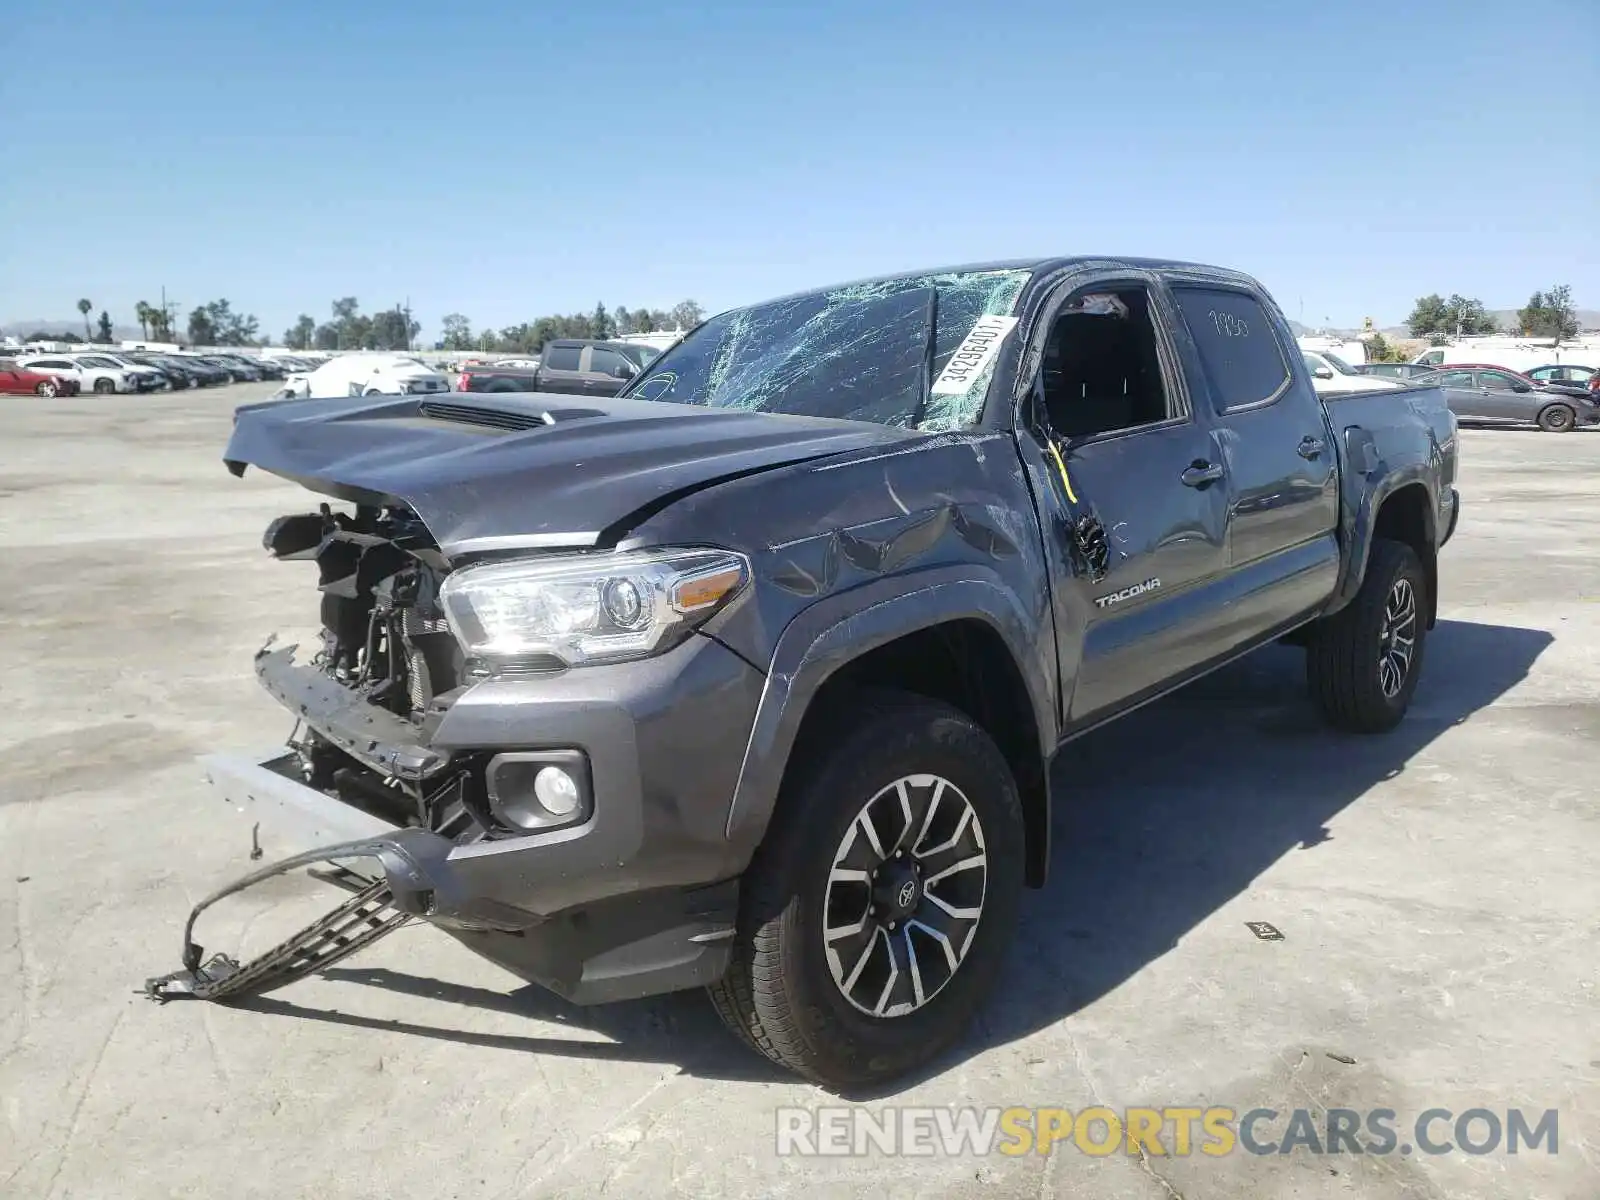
780, 994
104, 387
1558, 418
1347, 653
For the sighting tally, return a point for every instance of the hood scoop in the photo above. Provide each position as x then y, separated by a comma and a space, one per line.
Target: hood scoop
505, 414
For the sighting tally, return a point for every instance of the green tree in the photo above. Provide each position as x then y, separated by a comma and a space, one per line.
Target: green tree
1381, 349
84, 307
201, 331
1549, 314
623, 319
161, 323
643, 322
687, 314
457, 332
600, 324
391, 330
299, 335
142, 312
107, 334
1436, 319
326, 337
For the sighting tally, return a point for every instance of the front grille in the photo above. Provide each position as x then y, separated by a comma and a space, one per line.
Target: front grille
467, 414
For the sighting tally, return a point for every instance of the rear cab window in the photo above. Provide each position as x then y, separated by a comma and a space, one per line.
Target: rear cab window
1240, 355
561, 358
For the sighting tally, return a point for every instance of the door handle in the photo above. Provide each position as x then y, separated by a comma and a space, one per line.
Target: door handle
1199, 473
1310, 446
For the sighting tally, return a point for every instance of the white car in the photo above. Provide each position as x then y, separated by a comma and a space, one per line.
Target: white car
93, 373
1330, 373
365, 375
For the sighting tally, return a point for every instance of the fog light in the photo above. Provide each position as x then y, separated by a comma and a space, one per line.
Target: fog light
557, 791
539, 790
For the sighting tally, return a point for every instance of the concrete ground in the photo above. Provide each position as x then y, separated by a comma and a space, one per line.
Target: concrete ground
1436, 891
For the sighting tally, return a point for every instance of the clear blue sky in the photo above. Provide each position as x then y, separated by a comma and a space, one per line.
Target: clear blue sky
506, 160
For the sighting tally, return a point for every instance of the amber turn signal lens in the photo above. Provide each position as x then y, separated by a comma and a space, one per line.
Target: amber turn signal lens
703, 591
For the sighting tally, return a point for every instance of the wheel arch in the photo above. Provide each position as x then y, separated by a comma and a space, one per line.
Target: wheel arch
1401, 508
958, 635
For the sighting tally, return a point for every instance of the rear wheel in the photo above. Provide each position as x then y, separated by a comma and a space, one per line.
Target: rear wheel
1558, 418
1363, 662
880, 905
104, 387
48, 388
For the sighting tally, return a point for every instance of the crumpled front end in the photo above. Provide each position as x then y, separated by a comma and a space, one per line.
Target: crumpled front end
509, 808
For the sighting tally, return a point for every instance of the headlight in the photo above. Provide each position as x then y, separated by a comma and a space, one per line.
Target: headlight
590, 608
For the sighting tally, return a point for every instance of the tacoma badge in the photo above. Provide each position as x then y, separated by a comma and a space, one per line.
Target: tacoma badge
1138, 589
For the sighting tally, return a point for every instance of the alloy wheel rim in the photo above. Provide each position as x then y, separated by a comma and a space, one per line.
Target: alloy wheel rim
905, 895
1397, 639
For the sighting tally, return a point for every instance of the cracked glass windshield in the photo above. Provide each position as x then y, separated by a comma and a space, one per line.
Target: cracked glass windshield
860, 353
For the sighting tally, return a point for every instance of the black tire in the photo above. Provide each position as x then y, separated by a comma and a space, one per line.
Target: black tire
48, 389
104, 387
779, 994
1558, 418
1345, 653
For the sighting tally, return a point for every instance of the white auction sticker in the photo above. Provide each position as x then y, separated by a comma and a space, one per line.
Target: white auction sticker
973, 355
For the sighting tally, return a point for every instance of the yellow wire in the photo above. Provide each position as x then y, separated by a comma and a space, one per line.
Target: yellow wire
1061, 464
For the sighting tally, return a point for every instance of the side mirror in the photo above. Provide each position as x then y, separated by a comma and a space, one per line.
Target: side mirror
1519, 386
626, 371
1323, 372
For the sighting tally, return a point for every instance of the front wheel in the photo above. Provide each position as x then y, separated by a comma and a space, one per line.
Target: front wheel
1558, 418
877, 912
1363, 662
104, 387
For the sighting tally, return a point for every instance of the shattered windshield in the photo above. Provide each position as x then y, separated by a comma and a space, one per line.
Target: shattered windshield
914, 353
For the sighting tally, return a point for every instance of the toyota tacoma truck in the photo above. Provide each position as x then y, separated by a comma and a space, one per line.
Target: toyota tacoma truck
751, 678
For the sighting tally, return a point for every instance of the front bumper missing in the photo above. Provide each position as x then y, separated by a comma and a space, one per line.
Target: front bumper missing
415, 883
618, 948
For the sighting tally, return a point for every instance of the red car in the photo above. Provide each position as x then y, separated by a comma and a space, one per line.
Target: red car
19, 381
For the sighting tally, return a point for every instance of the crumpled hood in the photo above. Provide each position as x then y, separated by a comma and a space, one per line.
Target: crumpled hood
524, 469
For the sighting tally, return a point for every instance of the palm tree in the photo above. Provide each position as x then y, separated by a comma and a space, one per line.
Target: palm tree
143, 312
85, 306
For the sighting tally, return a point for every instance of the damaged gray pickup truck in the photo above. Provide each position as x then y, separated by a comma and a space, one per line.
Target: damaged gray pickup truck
751, 677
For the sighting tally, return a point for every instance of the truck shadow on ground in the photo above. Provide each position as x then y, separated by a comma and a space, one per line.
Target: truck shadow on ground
1160, 819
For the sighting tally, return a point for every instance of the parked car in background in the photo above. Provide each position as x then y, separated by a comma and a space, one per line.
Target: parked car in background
1496, 396
261, 368
210, 374
18, 380
572, 365
1566, 377
180, 372
1330, 373
1389, 370
93, 373
1573, 389
239, 371
365, 375
165, 379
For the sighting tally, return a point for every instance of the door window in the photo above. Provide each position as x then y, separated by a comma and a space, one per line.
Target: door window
1456, 379
1499, 381
561, 358
1238, 347
1101, 372
609, 362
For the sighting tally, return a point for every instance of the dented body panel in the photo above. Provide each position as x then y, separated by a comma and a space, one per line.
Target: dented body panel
1098, 572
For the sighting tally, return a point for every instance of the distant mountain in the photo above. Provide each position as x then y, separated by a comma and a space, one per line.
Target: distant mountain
22, 329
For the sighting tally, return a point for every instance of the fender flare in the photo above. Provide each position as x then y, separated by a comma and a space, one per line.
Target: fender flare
1360, 524
834, 631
